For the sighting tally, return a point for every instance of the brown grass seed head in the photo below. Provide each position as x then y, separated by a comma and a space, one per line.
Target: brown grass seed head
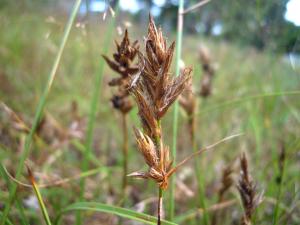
155, 90
123, 64
250, 198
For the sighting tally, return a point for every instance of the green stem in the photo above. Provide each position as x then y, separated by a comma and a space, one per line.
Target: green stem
39, 110
176, 107
159, 205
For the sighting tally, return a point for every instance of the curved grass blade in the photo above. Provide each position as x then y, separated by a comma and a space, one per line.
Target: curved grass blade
39, 110
104, 208
39, 197
225, 104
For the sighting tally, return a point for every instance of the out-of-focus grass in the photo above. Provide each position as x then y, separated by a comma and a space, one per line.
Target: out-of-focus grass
28, 41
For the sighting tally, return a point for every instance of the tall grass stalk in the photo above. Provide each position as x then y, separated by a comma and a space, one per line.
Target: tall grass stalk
176, 107
93, 110
39, 110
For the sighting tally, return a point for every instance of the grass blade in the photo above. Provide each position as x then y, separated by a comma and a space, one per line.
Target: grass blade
241, 100
104, 208
39, 197
19, 205
39, 110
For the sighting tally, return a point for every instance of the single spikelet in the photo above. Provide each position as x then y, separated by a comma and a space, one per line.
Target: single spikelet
227, 181
154, 90
208, 72
123, 64
159, 162
248, 192
188, 102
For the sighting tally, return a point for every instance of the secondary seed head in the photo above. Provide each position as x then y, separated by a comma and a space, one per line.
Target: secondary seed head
123, 64
248, 193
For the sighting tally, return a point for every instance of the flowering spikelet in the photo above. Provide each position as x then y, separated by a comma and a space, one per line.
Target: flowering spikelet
154, 91
208, 72
188, 102
248, 193
122, 64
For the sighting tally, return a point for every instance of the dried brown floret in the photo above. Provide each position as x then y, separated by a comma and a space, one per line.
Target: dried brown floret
208, 72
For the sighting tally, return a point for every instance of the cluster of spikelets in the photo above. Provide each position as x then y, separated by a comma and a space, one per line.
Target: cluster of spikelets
154, 90
123, 64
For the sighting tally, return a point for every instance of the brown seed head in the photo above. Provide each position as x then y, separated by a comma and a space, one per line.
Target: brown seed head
208, 71
227, 181
248, 193
123, 64
187, 100
159, 163
154, 88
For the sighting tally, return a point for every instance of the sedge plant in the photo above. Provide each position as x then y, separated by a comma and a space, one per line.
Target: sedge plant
154, 91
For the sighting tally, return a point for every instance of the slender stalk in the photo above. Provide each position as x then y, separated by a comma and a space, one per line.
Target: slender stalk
39, 109
125, 152
159, 206
159, 144
93, 111
176, 107
200, 182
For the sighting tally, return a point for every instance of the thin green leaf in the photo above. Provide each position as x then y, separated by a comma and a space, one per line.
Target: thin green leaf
39, 197
104, 208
